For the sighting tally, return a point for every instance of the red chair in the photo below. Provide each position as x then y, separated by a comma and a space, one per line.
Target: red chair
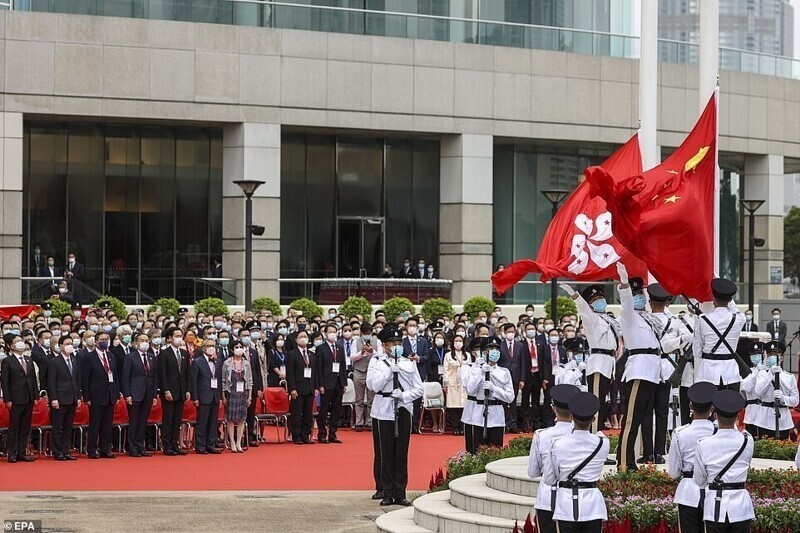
40, 422
120, 421
188, 423
4, 421
154, 419
81, 423
275, 409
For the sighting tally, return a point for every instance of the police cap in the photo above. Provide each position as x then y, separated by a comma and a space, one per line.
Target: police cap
637, 285
560, 394
583, 406
593, 291
390, 334
576, 345
657, 293
723, 288
728, 403
701, 394
775, 346
492, 342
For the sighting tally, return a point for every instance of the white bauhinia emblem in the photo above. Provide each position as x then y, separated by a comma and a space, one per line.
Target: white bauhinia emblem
588, 246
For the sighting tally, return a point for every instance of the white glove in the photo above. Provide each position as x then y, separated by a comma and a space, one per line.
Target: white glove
397, 394
776, 369
761, 366
488, 386
480, 361
566, 288
687, 338
581, 366
395, 367
486, 367
674, 392
623, 273
584, 388
778, 394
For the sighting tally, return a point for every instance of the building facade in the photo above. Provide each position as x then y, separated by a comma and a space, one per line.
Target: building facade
380, 136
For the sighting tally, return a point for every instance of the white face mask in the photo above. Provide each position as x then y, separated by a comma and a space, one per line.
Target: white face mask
776, 317
302, 342
458, 345
510, 336
68, 349
238, 351
19, 346
331, 337
554, 340
548, 327
144, 346
279, 344
347, 334
439, 342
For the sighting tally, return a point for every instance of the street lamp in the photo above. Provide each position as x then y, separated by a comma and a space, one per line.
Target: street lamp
555, 197
751, 206
249, 188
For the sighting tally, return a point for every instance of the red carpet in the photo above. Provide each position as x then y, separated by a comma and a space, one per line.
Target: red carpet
271, 466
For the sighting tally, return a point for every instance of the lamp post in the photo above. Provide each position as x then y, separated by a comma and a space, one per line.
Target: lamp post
248, 188
555, 197
751, 206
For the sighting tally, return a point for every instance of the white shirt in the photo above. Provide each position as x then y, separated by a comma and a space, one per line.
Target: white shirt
748, 388
705, 339
568, 374
764, 390
599, 330
638, 335
712, 454
566, 454
469, 405
380, 378
503, 391
539, 460
681, 459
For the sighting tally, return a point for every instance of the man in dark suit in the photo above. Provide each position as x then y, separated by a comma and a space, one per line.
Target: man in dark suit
42, 353
51, 270
139, 385
205, 386
419, 271
258, 379
100, 392
777, 327
749, 324
416, 349
537, 374
36, 268
173, 370
556, 353
73, 270
407, 271
120, 352
302, 381
511, 357
64, 391
20, 391
332, 372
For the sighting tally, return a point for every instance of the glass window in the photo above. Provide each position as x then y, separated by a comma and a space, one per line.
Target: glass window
359, 177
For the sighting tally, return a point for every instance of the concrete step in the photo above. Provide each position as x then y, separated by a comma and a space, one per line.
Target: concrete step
471, 494
511, 476
400, 521
435, 512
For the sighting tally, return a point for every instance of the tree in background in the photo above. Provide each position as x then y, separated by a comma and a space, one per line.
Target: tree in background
791, 244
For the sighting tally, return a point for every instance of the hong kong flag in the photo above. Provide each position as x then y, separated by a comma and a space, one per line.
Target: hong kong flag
665, 217
579, 243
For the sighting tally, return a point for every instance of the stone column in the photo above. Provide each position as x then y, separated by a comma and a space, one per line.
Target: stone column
11, 202
252, 151
764, 180
465, 215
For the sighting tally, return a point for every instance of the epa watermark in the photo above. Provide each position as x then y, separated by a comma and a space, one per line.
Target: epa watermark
23, 526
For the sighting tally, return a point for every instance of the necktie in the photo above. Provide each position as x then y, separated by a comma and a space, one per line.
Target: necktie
24, 365
69, 364
333, 349
347, 349
554, 352
305, 357
144, 363
510, 351
178, 359
105, 362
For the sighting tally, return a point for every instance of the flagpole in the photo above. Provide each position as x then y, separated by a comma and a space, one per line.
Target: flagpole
648, 84
708, 85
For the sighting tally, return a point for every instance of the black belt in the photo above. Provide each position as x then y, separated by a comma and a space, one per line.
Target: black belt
603, 351
577, 484
753, 402
491, 402
727, 486
644, 351
718, 356
688, 474
769, 404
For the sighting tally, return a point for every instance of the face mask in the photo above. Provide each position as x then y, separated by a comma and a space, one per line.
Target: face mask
554, 340
156, 341
756, 359
62, 290
461, 333
493, 321
144, 346
397, 351
280, 344
56, 333
548, 327
71, 260
776, 317
406, 264
318, 342
412, 330
76, 343
68, 349
540, 328
46, 343
126, 339
19, 346
238, 351
224, 341
331, 337
580, 358
50, 263
772, 360
48, 313
600, 305
301, 327
255, 335
246, 341
529, 313
211, 336
430, 270
749, 318
219, 325
439, 342
103, 345
331, 316
494, 355
639, 302
303, 342
283, 330
210, 352
510, 336
94, 328
421, 265
458, 345
530, 334
115, 324
347, 334
133, 324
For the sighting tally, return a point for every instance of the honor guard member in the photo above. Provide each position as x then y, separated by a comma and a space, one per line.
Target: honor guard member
378, 358
603, 334
777, 392
577, 465
683, 444
721, 464
686, 360
642, 363
489, 396
574, 371
470, 404
539, 458
754, 352
396, 384
715, 336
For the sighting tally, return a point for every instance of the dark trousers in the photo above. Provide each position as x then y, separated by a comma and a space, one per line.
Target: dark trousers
661, 410
19, 429
598, 385
730, 386
394, 454
544, 521
591, 526
171, 417
454, 413
494, 437
376, 452
511, 410
331, 405
205, 431
469, 438
548, 416
531, 412
61, 421
417, 412
766, 433
101, 418
638, 398
683, 398
138, 413
302, 413
690, 519
251, 416
728, 527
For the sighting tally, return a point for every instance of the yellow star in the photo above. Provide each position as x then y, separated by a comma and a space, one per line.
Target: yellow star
672, 199
673, 172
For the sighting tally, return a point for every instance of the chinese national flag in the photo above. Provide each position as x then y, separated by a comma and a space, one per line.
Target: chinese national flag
579, 243
665, 217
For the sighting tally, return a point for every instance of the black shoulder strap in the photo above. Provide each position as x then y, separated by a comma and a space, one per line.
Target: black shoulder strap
685, 323
613, 331
722, 472
586, 461
721, 336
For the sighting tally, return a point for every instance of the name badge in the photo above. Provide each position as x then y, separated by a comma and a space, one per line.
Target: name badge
307, 373
347, 361
213, 383
111, 377
777, 335
240, 386
335, 368
283, 369
441, 370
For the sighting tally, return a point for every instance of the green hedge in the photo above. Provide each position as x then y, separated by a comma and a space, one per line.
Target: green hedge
394, 307
166, 306
476, 304
211, 306
565, 306
59, 308
437, 308
356, 305
266, 304
307, 306
115, 305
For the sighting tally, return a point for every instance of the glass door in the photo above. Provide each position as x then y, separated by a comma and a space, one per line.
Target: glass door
359, 247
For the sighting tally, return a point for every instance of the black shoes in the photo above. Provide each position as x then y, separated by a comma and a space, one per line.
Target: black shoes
402, 502
659, 460
386, 502
645, 459
378, 495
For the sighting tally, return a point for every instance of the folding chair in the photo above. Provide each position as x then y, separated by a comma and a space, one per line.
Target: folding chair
349, 401
154, 420
80, 424
187, 424
40, 422
432, 400
121, 422
275, 409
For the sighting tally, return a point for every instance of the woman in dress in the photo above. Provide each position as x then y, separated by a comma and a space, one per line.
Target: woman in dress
237, 383
436, 360
456, 394
277, 362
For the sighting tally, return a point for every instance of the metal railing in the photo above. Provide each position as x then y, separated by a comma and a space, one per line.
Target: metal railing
376, 290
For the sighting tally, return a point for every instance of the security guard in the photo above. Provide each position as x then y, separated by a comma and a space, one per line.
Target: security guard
396, 384
642, 363
470, 404
577, 459
603, 333
775, 387
721, 464
539, 458
574, 371
754, 351
715, 336
682, 448
489, 396
377, 358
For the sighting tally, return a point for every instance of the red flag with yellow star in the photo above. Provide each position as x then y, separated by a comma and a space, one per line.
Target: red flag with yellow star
665, 216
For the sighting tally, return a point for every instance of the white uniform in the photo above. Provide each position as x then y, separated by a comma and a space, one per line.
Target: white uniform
764, 390
602, 333
469, 405
675, 338
712, 455
569, 374
706, 342
566, 454
539, 461
638, 334
380, 380
748, 388
797, 457
503, 392
681, 459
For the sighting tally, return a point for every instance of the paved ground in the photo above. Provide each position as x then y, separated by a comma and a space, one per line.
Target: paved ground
343, 511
